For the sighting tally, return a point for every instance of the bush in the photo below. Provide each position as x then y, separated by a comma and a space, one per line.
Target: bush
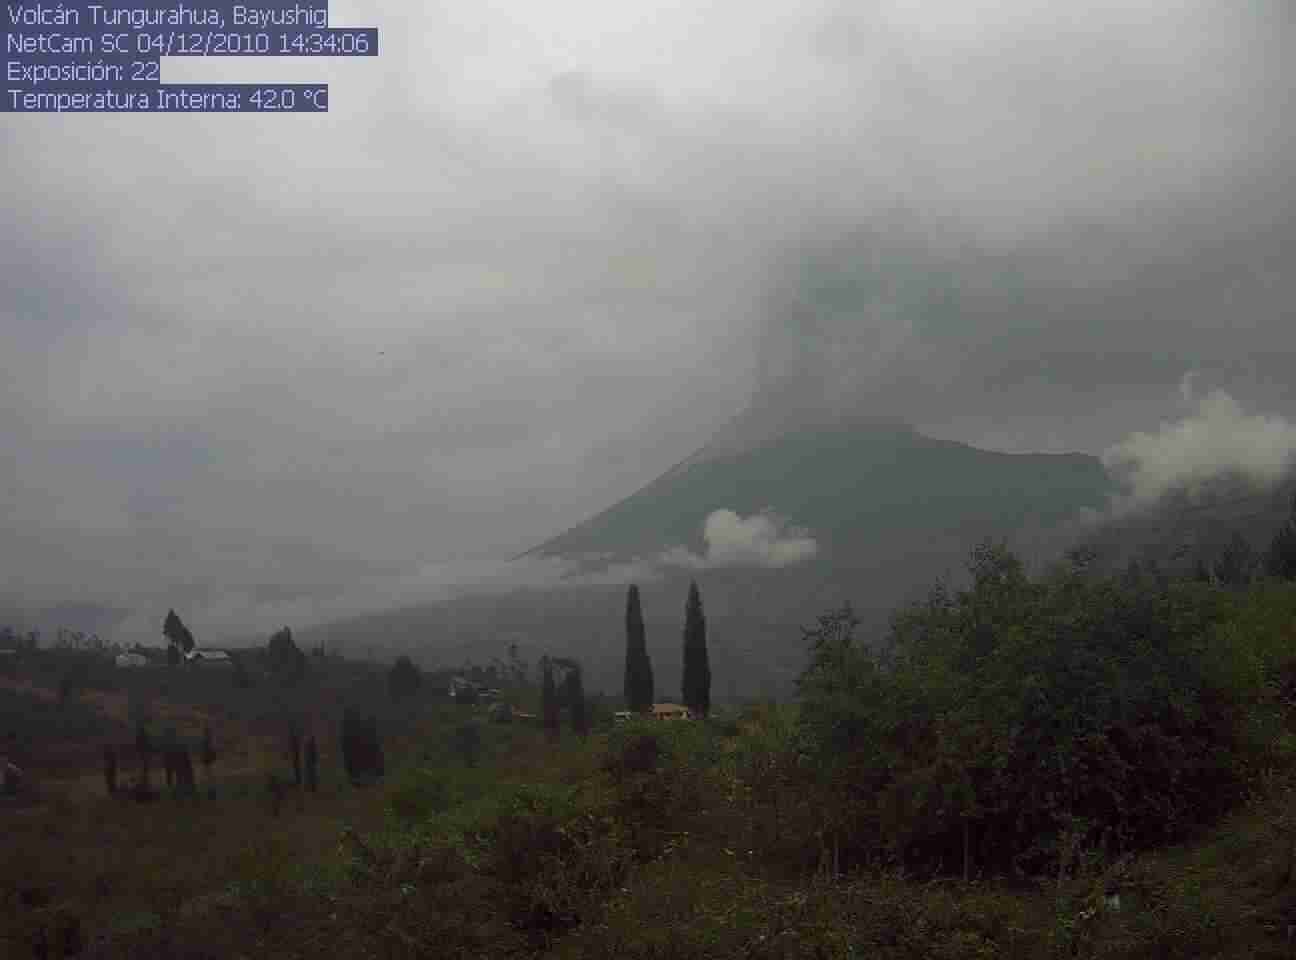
467, 741
362, 753
1017, 722
404, 679
420, 793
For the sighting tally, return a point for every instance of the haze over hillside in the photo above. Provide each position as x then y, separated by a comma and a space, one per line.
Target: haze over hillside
777, 522
339, 368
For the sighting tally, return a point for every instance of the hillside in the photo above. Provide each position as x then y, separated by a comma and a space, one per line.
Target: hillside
890, 510
1175, 531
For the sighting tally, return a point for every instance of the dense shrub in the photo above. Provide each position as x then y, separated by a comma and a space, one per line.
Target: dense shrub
557, 856
404, 679
362, 753
1020, 721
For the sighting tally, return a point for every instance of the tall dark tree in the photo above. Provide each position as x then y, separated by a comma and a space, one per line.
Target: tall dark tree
207, 752
1236, 565
312, 764
287, 662
404, 679
467, 743
242, 679
177, 633
143, 747
110, 770
362, 752
697, 663
550, 709
295, 754
1280, 561
574, 690
638, 668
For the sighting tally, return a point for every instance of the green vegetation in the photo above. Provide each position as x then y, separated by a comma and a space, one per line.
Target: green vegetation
404, 679
697, 666
550, 709
180, 639
362, 752
639, 692
286, 662
1077, 764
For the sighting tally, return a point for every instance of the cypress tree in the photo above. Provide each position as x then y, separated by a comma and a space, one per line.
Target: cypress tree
207, 753
575, 690
638, 668
110, 770
1281, 559
312, 764
295, 754
549, 706
177, 633
697, 664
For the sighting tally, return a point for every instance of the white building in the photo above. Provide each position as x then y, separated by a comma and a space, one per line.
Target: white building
208, 658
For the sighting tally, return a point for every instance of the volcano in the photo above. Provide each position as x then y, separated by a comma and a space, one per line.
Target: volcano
889, 510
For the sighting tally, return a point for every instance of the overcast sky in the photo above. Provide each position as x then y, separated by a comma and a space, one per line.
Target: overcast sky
276, 369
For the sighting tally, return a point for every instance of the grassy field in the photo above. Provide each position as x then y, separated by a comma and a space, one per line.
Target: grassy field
530, 848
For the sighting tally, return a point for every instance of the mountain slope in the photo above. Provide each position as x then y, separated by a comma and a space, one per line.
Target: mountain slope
891, 511
841, 483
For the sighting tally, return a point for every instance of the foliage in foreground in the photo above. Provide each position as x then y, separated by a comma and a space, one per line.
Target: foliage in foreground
1017, 724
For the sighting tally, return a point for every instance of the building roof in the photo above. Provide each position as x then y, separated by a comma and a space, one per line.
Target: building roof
670, 709
207, 655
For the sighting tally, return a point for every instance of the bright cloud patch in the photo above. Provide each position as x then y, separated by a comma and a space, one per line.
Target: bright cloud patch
1219, 438
761, 540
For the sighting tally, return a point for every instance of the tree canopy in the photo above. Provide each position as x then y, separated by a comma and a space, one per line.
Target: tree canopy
1007, 720
177, 633
639, 692
697, 664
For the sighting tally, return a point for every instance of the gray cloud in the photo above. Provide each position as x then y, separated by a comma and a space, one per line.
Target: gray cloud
760, 540
284, 368
1217, 438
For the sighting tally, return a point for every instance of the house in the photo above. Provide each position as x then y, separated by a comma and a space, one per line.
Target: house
131, 660
208, 658
459, 687
660, 711
671, 711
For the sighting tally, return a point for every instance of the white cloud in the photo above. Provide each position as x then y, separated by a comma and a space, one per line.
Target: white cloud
761, 540
1218, 438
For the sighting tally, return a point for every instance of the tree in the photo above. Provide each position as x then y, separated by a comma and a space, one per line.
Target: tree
362, 754
287, 662
1236, 565
295, 754
177, 633
72, 681
173, 655
518, 668
404, 679
574, 689
110, 770
467, 743
144, 746
242, 679
697, 665
1281, 558
549, 706
638, 668
207, 752
312, 764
